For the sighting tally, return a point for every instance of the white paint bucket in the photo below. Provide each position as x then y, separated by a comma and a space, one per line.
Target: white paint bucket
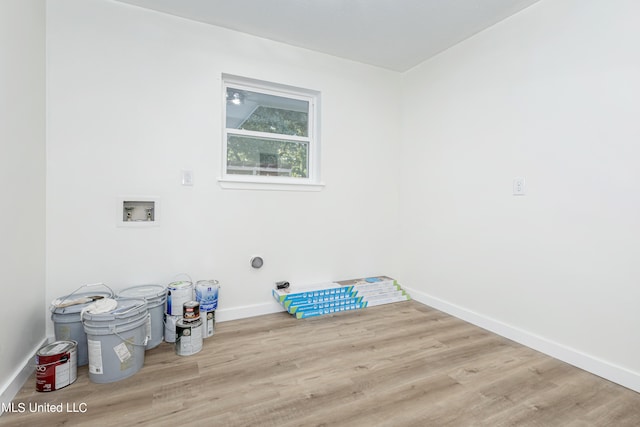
170, 327
56, 365
155, 295
207, 294
208, 323
177, 294
188, 337
67, 324
116, 340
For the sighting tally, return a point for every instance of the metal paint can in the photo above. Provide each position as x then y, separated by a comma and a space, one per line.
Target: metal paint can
208, 323
56, 365
170, 327
177, 294
191, 311
207, 294
188, 337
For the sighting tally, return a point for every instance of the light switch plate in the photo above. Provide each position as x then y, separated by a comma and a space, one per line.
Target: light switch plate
187, 177
518, 186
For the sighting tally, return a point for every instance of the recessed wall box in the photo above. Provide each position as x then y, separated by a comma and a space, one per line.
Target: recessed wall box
138, 211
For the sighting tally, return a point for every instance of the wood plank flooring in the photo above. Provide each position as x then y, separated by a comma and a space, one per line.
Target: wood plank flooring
402, 364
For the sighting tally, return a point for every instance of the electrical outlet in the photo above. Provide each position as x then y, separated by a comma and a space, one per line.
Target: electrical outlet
187, 177
518, 186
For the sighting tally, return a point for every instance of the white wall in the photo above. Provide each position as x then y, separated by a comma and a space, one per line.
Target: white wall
551, 94
22, 173
134, 96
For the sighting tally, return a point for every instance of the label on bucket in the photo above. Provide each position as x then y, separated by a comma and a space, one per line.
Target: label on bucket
170, 327
188, 338
208, 306
65, 373
148, 329
207, 294
122, 352
95, 357
210, 323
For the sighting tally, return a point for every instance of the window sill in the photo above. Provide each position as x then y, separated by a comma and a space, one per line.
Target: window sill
232, 184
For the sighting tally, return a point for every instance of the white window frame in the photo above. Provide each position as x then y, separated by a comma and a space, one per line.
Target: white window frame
261, 182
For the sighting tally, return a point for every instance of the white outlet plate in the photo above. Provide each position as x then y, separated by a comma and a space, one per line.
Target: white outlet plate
187, 177
518, 186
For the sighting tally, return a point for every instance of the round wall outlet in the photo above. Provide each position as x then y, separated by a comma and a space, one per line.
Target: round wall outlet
256, 262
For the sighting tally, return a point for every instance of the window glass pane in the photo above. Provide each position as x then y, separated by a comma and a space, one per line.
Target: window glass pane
266, 113
271, 157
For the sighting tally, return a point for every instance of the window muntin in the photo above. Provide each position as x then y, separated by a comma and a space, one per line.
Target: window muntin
261, 112
248, 155
269, 133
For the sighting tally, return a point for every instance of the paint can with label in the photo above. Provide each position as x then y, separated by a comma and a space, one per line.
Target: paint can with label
116, 339
155, 296
191, 311
177, 294
208, 323
170, 327
188, 337
56, 365
207, 294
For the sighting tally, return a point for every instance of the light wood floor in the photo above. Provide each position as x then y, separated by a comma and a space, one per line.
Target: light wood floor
402, 364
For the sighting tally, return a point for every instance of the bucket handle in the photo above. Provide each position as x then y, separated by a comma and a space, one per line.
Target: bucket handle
57, 362
144, 343
216, 283
52, 308
121, 311
183, 274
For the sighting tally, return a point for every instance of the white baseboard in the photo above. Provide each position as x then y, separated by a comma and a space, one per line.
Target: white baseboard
222, 315
13, 385
594, 365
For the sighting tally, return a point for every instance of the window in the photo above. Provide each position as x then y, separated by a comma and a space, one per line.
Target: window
270, 133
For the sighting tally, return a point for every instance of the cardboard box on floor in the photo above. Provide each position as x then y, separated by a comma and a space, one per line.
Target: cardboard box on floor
326, 298
320, 290
342, 299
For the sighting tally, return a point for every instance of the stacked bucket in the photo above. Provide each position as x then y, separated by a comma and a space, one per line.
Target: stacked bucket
67, 321
117, 337
111, 333
190, 314
207, 297
178, 293
155, 296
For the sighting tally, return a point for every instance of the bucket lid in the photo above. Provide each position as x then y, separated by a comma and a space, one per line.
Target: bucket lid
186, 323
76, 308
125, 308
143, 291
208, 283
179, 285
56, 347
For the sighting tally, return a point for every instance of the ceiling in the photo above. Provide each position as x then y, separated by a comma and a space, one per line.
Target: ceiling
393, 34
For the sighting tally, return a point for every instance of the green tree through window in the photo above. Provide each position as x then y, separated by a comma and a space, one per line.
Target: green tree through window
268, 130
289, 158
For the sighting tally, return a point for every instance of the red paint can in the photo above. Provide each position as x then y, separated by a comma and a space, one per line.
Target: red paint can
56, 365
